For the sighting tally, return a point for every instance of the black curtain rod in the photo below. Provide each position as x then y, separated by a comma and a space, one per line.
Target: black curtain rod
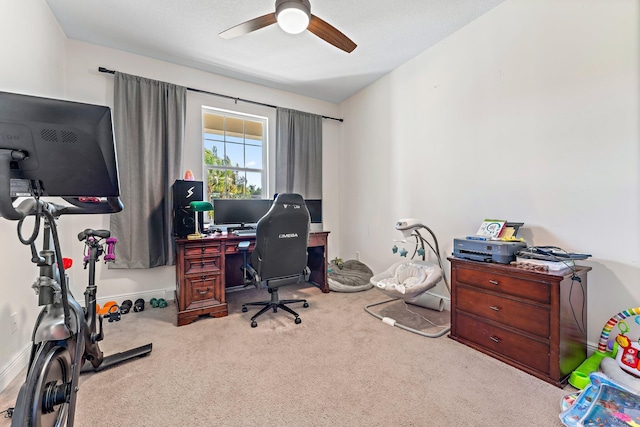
105, 70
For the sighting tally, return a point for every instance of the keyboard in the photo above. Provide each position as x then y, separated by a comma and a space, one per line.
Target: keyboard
245, 233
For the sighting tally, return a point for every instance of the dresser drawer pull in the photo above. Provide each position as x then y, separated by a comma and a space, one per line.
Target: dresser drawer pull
494, 282
494, 308
203, 249
495, 339
203, 292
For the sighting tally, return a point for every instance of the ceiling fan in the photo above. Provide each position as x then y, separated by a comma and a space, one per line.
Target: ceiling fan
294, 16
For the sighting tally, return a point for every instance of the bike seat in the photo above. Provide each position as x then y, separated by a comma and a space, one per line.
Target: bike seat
93, 233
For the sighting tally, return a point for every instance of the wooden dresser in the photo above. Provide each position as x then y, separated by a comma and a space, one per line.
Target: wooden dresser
533, 321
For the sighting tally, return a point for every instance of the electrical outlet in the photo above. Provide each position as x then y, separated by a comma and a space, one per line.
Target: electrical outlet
14, 323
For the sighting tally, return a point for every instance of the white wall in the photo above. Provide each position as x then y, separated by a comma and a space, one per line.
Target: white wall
530, 113
33, 66
44, 63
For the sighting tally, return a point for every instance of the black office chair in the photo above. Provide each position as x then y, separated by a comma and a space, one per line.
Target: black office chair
280, 254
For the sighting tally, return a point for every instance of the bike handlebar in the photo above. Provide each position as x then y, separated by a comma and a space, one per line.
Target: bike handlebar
30, 206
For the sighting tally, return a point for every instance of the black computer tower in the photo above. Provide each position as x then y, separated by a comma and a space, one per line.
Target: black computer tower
185, 192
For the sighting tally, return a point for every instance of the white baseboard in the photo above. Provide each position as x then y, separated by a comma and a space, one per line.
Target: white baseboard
168, 294
14, 367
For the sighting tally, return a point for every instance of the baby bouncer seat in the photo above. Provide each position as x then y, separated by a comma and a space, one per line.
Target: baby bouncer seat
411, 280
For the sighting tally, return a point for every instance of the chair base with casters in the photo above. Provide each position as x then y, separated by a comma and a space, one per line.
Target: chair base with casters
275, 302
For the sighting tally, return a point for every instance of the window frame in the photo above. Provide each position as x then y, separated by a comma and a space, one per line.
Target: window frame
264, 171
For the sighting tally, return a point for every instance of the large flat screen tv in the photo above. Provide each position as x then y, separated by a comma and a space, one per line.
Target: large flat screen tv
69, 146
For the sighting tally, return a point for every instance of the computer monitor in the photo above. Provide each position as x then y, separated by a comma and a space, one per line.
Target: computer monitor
69, 146
315, 210
239, 211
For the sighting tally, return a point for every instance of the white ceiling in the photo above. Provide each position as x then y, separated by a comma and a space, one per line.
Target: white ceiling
387, 32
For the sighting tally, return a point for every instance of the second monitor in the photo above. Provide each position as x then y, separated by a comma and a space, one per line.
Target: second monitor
243, 212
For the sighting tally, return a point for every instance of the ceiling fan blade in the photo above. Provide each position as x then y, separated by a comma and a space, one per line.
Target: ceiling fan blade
330, 34
249, 26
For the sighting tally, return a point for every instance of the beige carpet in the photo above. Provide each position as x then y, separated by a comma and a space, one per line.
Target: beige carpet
339, 367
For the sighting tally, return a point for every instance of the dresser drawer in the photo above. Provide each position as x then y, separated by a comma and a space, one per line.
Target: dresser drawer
524, 288
201, 265
201, 291
201, 249
515, 314
519, 348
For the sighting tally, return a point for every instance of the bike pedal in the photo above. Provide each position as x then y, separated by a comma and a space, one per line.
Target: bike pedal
113, 316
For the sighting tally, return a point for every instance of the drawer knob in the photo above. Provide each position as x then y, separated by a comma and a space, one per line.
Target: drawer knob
203, 249
202, 263
203, 291
494, 339
493, 282
494, 308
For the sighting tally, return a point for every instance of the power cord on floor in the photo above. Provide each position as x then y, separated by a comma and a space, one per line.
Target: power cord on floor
8, 413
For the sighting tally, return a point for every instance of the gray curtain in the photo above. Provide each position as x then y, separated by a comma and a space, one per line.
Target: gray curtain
149, 119
298, 153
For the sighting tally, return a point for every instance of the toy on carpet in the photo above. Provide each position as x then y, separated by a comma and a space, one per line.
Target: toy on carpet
337, 262
604, 402
616, 357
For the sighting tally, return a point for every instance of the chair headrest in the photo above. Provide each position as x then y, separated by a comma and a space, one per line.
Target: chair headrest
288, 198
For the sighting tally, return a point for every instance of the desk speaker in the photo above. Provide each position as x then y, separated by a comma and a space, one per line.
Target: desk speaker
185, 192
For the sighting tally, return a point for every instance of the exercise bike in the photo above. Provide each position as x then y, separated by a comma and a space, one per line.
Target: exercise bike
66, 335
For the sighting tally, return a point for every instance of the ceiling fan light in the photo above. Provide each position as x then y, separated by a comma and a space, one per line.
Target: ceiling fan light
293, 15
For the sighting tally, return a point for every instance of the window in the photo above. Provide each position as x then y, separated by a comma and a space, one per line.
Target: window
234, 154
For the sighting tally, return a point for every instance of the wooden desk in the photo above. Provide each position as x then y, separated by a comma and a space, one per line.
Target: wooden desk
206, 268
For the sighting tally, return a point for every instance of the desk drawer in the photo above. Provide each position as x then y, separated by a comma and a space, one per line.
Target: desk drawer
201, 265
232, 248
519, 348
520, 315
201, 249
202, 291
524, 288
